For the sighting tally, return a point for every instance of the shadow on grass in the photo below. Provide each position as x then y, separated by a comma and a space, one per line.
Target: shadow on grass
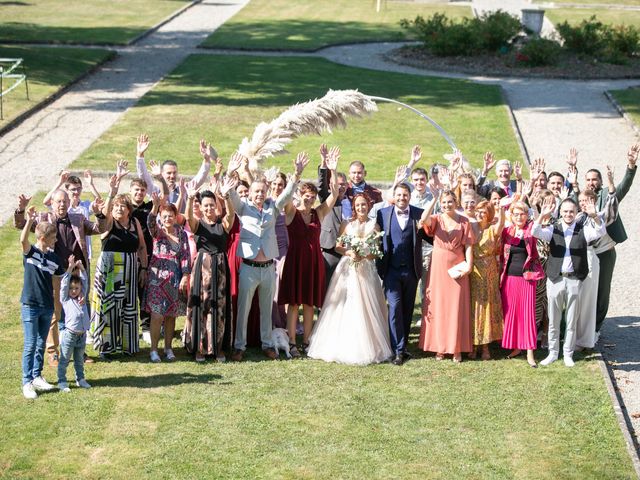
36, 33
155, 381
304, 35
278, 81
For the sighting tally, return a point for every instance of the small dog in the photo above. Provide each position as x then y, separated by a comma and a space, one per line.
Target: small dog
280, 339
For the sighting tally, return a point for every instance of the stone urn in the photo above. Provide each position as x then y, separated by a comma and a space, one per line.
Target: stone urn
532, 19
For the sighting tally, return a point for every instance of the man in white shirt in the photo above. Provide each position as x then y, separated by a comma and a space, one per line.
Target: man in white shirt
567, 267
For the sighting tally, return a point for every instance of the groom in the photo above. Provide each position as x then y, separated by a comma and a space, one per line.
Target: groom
400, 266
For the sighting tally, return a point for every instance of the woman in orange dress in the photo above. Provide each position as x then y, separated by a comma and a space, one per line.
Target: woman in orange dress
446, 323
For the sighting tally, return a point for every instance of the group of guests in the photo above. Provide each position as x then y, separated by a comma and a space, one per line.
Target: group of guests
242, 254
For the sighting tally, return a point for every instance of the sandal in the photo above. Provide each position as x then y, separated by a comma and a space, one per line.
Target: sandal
305, 348
439, 356
293, 350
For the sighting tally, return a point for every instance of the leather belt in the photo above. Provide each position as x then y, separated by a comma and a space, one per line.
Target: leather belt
251, 263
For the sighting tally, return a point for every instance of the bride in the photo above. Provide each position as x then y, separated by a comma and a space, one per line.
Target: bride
352, 327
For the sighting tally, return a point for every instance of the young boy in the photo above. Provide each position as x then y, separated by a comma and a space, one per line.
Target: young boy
73, 338
40, 265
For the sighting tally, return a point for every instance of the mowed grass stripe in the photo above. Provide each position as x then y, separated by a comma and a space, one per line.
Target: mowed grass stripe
223, 98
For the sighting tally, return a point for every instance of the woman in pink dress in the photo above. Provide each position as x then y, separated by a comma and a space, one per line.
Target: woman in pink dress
446, 323
521, 269
303, 277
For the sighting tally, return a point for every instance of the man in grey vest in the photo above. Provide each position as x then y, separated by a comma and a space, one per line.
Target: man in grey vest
257, 248
330, 226
567, 267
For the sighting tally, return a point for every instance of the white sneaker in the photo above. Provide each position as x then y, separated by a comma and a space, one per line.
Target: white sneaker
29, 392
169, 355
82, 383
155, 358
41, 384
63, 387
549, 360
146, 337
568, 361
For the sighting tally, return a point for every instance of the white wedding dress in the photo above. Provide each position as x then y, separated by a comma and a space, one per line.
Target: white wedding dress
352, 327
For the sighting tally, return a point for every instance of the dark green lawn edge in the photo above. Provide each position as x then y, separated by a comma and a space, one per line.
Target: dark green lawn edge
302, 50
55, 95
623, 113
620, 411
135, 39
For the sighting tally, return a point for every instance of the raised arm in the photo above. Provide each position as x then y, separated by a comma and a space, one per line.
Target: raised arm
332, 164
286, 197
88, 177
192, 221
141, 166
323, 174
540, 231
156, 174
630, 172
24, 234
19, 213
64, 175
209, 155
229, 184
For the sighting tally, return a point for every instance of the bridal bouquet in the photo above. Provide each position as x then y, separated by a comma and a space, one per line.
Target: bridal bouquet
362, 246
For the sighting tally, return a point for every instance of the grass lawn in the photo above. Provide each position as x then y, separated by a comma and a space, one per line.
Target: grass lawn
629, 98
223, 98
576, 15
48, 70
304, 419
81, 21
310, 24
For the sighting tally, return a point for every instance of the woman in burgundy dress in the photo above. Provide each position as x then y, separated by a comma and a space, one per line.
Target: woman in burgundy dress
303, 276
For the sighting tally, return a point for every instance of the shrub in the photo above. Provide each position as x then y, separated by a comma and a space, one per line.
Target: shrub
625, 40
539, 52
496, 30
587, 38
444, 37
604, 42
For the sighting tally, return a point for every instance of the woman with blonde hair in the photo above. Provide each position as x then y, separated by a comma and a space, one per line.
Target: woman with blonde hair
486, 304
521, 270
446, 325
114, 306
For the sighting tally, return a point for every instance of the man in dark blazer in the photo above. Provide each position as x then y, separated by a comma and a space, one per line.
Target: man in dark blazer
400, 266
616, 233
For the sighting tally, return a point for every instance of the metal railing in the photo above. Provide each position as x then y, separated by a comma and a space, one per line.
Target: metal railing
7, 68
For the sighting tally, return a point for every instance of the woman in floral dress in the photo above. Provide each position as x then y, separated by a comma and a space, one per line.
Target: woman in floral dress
169, 270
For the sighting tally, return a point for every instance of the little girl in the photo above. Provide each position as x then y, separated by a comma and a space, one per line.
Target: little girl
73, 338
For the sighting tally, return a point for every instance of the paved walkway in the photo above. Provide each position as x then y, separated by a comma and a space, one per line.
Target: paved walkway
553, 116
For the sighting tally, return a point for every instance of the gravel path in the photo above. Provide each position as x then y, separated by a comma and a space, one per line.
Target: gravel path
553, 116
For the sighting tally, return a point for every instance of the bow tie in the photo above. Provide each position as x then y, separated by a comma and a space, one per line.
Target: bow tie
402, 213
64, 221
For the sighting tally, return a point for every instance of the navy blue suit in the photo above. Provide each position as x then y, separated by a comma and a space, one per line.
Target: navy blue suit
400, 269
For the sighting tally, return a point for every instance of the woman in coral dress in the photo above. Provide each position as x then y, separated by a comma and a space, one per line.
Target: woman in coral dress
446, 325
486, 304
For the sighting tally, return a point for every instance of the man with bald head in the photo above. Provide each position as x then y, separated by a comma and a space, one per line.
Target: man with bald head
71, 239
